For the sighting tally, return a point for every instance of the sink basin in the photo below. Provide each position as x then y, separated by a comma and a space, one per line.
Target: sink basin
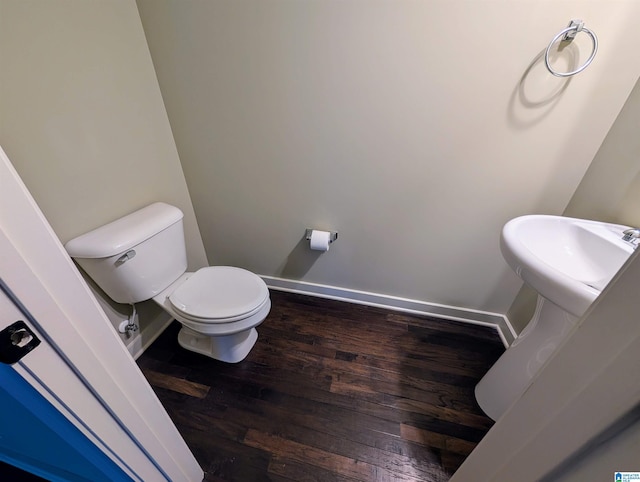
566, 260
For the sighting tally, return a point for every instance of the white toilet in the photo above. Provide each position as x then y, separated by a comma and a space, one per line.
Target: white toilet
142, 256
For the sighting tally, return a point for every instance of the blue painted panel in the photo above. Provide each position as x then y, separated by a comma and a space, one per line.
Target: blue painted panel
37, 438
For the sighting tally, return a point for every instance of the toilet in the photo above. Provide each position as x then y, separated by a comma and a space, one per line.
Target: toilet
142, 256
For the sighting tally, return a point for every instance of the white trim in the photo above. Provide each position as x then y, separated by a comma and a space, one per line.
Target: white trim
55, 378
475, 317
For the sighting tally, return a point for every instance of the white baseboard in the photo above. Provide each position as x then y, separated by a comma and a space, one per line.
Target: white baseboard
141, 341
494, 320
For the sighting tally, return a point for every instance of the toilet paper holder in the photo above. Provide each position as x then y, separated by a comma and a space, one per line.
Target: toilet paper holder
332, 235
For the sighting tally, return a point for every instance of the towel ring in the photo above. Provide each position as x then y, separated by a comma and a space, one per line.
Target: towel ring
569, 34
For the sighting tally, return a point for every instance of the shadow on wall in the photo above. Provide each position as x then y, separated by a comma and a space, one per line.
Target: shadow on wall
299, 261
538, 91
533, 99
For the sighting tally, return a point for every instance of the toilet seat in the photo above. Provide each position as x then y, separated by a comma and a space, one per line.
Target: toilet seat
219, 294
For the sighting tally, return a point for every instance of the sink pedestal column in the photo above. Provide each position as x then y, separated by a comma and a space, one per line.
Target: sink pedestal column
510, 375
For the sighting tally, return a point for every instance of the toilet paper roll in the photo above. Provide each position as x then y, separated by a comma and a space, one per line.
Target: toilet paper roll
320, 240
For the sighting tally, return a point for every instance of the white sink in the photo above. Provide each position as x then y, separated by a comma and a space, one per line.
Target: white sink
568, 261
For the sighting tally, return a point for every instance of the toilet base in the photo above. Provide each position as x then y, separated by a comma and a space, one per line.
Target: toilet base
228, 348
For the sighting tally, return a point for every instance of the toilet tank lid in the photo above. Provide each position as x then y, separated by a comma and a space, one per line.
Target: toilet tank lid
124, 233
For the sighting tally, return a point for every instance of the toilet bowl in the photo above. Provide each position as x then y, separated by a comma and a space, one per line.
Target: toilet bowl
142, 256
219, 308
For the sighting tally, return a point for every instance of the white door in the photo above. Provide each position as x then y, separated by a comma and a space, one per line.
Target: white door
34, 435
81, 367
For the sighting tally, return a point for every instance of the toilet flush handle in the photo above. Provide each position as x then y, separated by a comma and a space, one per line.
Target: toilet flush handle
126, 257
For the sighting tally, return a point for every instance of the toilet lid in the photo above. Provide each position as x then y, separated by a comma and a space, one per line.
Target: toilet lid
219, 292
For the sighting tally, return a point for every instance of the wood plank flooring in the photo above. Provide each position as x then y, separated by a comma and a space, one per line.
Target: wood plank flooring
331, 391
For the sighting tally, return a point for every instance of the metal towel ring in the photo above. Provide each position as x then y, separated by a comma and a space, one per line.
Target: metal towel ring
569, 34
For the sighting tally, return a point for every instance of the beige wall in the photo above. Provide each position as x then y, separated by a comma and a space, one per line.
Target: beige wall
610, 190
82, 117
414, 128
416, 143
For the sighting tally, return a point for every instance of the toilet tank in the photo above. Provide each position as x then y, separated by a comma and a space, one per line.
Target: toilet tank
135, 257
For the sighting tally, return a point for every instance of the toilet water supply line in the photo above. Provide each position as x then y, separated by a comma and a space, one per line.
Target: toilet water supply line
130, 325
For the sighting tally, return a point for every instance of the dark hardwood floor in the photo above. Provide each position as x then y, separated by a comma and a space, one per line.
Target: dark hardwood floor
331, 391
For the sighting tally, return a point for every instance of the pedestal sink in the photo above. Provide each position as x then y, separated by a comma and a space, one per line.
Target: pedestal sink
568, 262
